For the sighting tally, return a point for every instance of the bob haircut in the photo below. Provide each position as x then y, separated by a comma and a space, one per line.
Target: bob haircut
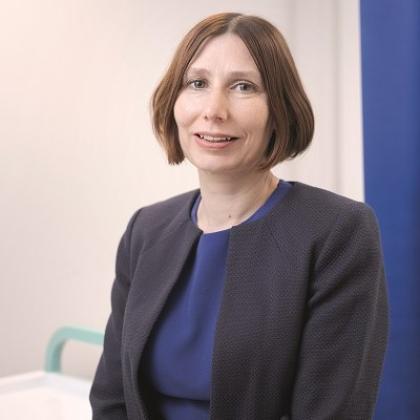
290, 111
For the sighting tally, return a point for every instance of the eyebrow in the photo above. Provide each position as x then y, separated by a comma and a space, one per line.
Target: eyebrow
239, 74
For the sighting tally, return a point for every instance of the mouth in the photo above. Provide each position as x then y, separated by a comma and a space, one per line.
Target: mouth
219, 138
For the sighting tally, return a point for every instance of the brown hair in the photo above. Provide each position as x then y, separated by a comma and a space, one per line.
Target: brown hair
290, 111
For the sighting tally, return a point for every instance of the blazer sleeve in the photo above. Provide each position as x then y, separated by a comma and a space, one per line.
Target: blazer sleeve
346, 328
106, 394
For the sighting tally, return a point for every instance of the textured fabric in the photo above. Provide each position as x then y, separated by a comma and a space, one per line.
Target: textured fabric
177, 358
303, 321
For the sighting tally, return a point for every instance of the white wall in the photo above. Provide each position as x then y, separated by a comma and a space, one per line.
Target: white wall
77, 155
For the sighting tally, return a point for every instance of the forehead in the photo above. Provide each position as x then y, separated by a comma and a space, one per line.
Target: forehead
226, 51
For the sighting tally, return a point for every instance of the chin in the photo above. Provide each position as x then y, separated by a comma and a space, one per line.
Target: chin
205, 162
215, 167
214, 170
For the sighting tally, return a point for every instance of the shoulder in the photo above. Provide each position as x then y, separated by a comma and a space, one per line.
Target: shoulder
319, 199
319, 205
310, 214
156, 220
163, 212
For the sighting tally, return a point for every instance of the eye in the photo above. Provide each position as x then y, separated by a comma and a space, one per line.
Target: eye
196, 84
244, 87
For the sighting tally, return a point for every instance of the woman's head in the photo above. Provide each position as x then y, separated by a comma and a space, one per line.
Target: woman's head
289, 120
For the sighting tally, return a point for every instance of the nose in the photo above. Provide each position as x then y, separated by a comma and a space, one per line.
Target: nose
216, 107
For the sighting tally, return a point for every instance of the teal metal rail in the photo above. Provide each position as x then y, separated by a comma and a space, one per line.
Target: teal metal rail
59, 338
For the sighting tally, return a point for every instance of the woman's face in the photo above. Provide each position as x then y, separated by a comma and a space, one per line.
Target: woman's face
222, 112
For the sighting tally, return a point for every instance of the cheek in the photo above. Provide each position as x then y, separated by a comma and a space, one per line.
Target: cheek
183, 121
183, 112
178, 112
255, 119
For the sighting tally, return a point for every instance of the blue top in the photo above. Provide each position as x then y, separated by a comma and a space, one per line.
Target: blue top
178, 355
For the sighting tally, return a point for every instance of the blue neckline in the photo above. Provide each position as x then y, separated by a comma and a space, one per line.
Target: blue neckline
275, 197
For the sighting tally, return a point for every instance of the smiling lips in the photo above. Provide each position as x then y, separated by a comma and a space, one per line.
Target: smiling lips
215, 142
215, 138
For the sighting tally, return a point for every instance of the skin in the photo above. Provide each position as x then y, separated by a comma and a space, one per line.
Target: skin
225, 97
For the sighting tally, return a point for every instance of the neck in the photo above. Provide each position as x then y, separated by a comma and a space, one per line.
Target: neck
228, 201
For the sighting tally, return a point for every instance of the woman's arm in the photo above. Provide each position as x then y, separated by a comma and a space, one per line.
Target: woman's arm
107, 395
345, 334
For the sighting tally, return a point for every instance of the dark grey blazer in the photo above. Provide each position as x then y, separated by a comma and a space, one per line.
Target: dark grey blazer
303, 322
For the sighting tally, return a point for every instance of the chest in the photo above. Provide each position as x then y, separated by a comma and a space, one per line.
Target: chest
262, 299
260, 318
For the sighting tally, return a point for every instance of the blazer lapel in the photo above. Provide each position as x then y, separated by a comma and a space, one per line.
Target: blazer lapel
158, 268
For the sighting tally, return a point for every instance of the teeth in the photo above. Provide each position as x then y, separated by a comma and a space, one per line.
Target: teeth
215, 139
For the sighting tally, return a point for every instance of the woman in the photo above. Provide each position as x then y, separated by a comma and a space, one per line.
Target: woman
252, 297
